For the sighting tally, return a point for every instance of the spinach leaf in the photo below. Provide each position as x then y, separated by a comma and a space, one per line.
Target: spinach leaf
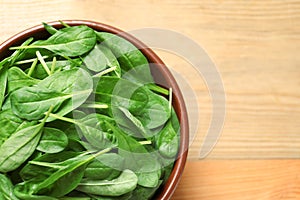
63, 183
125, 183
140, 107
167, 171
167, 141
20, 145
95, 137
128, 120
137, 158
6, 104
76, 195
175, 122
77, 82
49, 28
101, 58
126, 196
67, 81
129, 57
17, 79
74, 141
76, 198
31, 103
155, 113
70, 41
93, 134
6, 188
120, 92
60, 65
13, 58
10, 123
107, 166
143, 192
38, 172
134, 64
68, 175
3, 83
52, 141
4, 61
24, 191
120, 95
71, 88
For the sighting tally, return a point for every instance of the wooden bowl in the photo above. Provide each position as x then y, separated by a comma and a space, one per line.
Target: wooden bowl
161, 75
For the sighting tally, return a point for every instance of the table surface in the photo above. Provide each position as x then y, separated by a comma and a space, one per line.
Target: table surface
255, 47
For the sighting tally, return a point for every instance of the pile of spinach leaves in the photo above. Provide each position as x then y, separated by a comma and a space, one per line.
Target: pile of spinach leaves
78, 122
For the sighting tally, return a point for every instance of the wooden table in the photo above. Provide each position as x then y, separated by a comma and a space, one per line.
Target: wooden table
255, 46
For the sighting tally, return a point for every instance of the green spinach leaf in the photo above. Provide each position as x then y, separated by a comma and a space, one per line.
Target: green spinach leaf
10, 123
31, 103
60, 65
107, 166
91, 132
70, 41
101, 58
126, 196
24, 191
52, 141
138, 159
40, 172
49, 28
19, 146
17, 79
68, 175
6, 188
125, 183
129, 57
134, 107
144, 193
71, 88
3, 83
167, 141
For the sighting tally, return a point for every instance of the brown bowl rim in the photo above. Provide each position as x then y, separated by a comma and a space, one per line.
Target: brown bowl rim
169, 187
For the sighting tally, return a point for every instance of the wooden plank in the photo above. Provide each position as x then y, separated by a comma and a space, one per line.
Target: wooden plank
236, 180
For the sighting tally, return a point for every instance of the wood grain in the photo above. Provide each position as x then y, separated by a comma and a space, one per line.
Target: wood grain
255, 45
236, 180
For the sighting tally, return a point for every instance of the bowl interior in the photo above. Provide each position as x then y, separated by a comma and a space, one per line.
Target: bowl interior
160, 72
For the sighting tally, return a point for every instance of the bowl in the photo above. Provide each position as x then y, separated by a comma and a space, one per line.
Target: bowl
160, 73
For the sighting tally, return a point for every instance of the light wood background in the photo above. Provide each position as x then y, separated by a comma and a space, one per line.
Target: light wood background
255, 45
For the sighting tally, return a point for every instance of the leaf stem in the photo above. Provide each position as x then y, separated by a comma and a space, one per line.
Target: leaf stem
101, 152
16, 54
145, 142
45, 164
47, 114
53, 65
27, 47
95, 105
64, 24
41, 59
170, 99
28, 60
106, 71
32, 67
158, 89
66, 119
